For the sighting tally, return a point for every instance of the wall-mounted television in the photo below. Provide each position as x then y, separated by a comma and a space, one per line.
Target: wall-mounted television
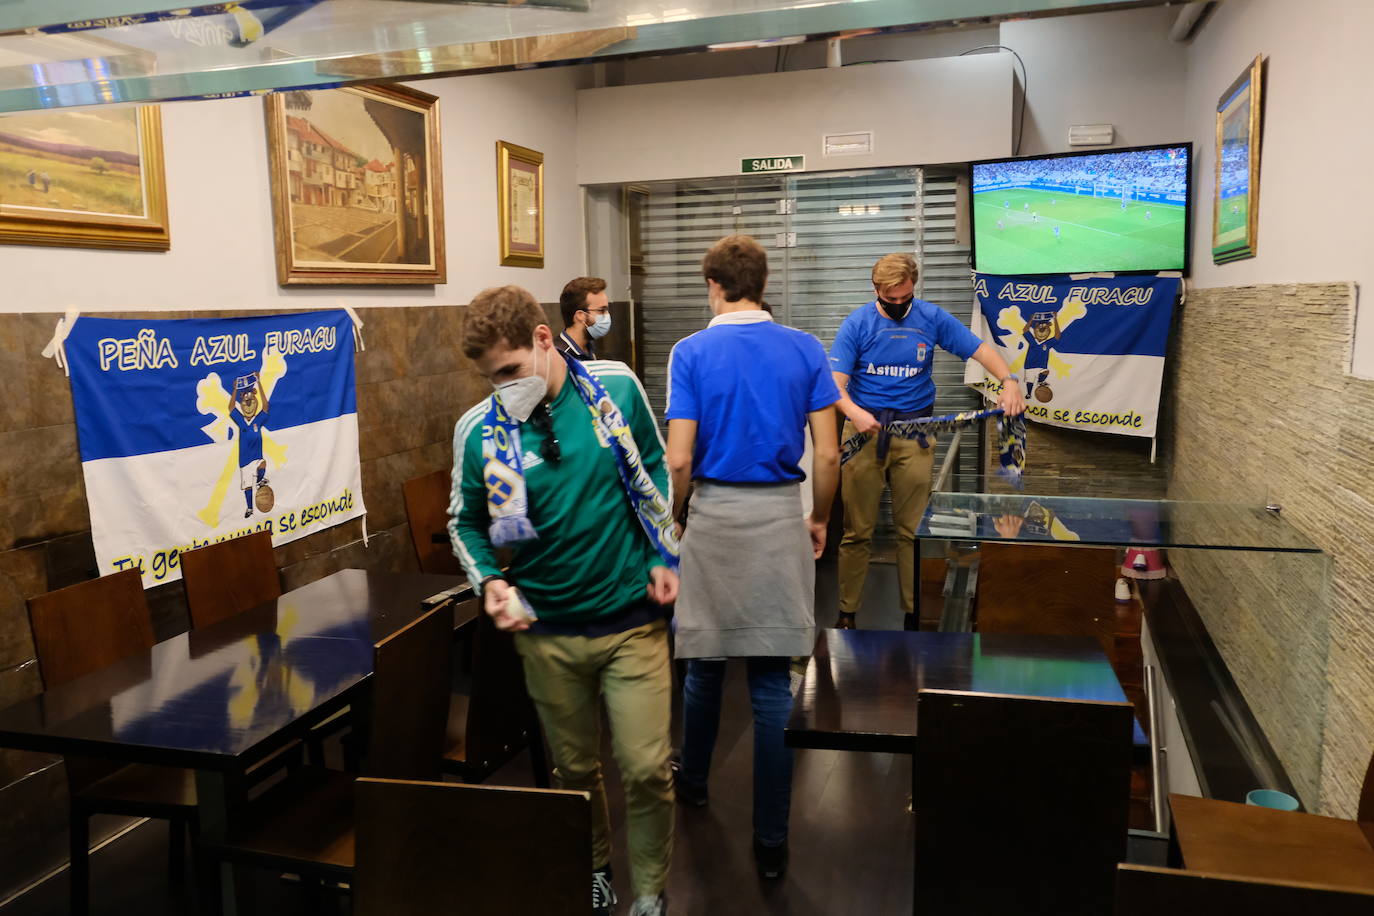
1123, 210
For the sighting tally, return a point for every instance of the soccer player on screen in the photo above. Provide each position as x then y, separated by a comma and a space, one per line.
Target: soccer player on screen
999, 224
1056, 233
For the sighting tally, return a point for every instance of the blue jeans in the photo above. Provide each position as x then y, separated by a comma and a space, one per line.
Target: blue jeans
771, 696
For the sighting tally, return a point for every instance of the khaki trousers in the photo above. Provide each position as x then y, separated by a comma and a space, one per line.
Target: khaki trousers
567, 676
906, 471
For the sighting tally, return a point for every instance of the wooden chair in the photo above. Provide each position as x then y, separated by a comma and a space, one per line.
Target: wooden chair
427, 501
496, 719
305, 824
1021, 803
78, 630
426, 848
1146, 891
226, 579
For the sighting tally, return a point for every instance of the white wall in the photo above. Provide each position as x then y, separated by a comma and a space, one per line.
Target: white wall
924, 111
221, 213
805, 56
1315, 201
1101, 68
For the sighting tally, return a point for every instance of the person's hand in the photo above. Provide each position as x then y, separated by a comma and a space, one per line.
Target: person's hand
1010, 400
495, 594
662, 586
817, 531
1008, 526
865, 422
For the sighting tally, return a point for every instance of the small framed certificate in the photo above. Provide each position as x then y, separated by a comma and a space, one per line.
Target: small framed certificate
520, 199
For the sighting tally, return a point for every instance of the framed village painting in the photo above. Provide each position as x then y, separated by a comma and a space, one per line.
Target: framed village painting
89, 178
357, 186
520, 204
1235, 202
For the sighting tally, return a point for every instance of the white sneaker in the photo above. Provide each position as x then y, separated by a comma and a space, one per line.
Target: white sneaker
656, 905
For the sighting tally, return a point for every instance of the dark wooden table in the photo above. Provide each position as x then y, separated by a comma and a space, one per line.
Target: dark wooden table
860, 688
1234, 839
221, 699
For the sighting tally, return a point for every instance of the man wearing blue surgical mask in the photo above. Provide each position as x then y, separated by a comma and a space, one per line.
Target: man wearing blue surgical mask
586, 316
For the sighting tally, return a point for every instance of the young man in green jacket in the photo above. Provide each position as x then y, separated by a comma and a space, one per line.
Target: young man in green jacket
564, 465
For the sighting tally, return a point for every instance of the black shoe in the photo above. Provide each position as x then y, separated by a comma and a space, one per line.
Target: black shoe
687, 794
845, 622
771, 860
603, 895
912, 622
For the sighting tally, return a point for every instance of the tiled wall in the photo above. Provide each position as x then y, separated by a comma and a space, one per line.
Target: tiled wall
1263, 410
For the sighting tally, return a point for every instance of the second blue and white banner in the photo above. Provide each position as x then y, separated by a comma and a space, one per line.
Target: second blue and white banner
1089, 352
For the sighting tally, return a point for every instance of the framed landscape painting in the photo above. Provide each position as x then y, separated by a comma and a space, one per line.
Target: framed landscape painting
1235, 202
357, 186
90, 178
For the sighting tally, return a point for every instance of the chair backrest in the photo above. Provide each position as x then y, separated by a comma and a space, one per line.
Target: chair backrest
408, 703
89, 626
1146, 891
1071, 588
426, 848
427, 500
500, 713
1021, 803
230, 577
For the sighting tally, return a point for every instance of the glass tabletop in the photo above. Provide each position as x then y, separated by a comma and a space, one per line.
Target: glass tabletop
59, 53
1026, 518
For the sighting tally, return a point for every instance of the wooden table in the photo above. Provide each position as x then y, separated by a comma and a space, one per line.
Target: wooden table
1234, 839
221, 699
859, 693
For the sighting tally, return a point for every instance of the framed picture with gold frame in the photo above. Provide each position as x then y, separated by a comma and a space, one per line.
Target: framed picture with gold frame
84, 179
520, 205
357, 186
1235, 199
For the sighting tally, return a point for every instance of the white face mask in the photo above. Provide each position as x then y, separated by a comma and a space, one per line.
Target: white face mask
601, 327
521, 396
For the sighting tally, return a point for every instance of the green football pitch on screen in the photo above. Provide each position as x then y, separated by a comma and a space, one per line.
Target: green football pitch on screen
1014, 233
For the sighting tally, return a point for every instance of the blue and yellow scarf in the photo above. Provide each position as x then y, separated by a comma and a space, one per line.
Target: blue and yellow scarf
1011, 437
503, 471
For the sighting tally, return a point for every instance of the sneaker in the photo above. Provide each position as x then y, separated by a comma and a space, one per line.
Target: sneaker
771, 860
657, 905
845, 621
687, 794
603, 895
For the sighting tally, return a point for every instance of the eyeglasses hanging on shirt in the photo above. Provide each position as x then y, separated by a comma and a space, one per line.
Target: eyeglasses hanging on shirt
542, 420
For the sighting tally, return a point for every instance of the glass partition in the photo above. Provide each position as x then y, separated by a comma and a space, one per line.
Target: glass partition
1256, 586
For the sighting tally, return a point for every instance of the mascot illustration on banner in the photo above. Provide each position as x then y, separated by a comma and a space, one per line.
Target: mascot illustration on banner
1034, 343
239, 419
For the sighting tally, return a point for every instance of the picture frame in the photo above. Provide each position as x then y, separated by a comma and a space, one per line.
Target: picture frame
1235, 196
357, 186
84, 179
520, 205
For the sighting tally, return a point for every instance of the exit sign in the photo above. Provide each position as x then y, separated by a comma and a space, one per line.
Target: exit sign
772, 164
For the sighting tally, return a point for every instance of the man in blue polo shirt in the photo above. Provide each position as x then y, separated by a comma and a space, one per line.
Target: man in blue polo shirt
881, 359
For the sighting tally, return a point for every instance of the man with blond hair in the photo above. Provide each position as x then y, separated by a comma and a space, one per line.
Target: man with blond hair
881, 360
563, 465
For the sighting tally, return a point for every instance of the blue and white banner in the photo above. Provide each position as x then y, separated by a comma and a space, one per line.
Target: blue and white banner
198, 430
1089, 352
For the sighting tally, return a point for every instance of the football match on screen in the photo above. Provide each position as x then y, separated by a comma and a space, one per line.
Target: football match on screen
1124, 210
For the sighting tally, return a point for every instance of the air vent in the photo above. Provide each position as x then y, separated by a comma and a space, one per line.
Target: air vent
854, 143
